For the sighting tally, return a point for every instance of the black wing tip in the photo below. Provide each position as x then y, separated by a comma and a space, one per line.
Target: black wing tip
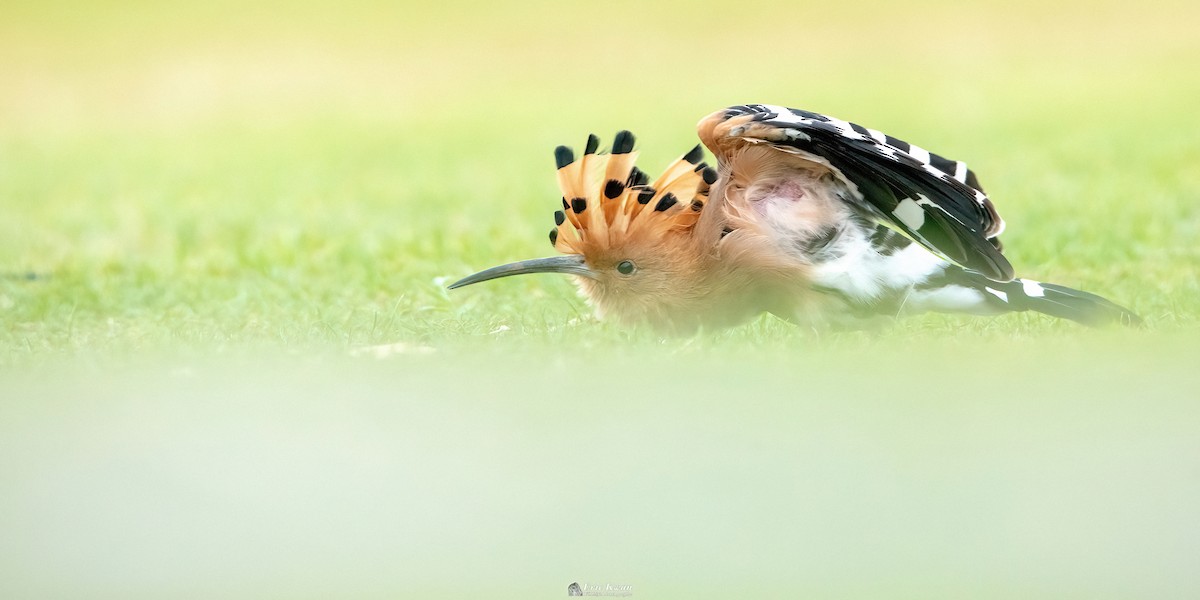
695, 155
985, 261
1001, 270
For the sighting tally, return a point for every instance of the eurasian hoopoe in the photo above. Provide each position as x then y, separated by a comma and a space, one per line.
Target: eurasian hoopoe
806, 216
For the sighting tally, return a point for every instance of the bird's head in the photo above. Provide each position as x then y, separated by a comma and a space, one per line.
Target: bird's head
639, 250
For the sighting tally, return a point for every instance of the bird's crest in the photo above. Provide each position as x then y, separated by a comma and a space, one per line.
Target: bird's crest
607, 201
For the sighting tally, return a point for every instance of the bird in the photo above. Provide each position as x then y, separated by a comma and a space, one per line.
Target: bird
805, 216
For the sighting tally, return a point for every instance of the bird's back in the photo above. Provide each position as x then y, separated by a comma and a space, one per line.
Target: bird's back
879, 225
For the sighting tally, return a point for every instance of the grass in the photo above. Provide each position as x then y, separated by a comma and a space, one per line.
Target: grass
240, 220
311, 184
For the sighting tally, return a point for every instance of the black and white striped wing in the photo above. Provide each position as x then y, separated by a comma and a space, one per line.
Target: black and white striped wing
933, 200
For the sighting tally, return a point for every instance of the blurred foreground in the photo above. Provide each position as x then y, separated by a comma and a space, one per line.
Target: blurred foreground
1031, 469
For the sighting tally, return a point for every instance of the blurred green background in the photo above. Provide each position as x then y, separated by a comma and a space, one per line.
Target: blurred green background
236, 371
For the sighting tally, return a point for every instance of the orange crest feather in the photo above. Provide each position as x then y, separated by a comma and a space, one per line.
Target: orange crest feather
602, 210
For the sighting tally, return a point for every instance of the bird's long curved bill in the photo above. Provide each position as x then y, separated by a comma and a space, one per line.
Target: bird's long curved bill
571, 264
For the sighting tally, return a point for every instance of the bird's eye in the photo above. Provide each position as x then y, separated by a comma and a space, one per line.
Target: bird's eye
625, 267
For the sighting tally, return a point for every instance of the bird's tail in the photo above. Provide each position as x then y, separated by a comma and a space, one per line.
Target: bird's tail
1054, 300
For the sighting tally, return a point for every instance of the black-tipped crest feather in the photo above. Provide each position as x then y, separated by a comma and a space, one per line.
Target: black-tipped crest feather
563, 156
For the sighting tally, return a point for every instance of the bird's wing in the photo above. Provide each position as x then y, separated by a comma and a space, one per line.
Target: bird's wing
933, 200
